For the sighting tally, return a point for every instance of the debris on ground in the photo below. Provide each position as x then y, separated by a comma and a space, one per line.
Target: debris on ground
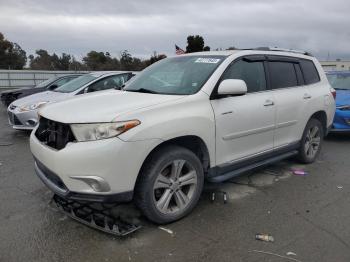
299, 172
213, 196
340, 187
264, 237
273, 254
291, 253
167, 230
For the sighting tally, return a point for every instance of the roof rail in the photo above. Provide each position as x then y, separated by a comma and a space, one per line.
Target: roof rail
263, 48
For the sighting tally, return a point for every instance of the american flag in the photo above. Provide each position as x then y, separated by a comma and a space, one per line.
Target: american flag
179, 51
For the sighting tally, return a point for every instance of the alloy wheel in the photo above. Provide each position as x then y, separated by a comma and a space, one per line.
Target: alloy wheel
312, 141
174, 187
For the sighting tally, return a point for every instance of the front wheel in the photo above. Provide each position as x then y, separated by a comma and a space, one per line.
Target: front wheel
170, 184
311, 141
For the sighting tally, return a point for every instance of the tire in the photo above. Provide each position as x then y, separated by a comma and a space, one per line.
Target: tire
169, 185
311, 141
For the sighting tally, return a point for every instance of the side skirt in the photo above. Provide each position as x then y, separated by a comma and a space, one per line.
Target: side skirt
224, 172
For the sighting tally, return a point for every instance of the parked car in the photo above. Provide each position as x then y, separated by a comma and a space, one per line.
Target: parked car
23, 113
183, 120
340, 81
7, 97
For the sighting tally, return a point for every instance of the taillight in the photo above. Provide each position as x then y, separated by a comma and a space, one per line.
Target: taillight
334, 93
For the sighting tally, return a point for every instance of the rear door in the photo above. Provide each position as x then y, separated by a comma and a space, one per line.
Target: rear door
291, 96
244, 124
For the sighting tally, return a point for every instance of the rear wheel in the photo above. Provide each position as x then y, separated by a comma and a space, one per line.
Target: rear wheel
311, 141
170, 184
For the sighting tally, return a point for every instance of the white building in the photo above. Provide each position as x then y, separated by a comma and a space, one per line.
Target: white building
335, 65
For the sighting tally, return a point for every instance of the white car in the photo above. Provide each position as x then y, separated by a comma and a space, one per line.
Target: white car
186, 119
23, 112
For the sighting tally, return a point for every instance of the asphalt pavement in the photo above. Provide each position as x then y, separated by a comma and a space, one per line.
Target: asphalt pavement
308, 216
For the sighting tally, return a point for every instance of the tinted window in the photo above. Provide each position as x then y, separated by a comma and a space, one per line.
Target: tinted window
282, 75
252, 73
310, 72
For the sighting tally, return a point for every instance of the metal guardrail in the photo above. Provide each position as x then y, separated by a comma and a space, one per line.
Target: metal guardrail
28, 78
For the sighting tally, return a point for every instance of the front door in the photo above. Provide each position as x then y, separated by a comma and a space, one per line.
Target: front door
244, 124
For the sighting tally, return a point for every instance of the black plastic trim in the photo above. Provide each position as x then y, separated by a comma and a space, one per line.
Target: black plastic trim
226, 171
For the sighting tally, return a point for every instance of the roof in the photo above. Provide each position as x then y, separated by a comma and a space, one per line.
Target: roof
259, 50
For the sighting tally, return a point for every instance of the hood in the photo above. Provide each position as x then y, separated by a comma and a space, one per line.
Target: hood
47, 96
102, 106
343, 97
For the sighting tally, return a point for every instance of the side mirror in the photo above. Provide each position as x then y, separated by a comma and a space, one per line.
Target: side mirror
52, 87
86, 90
232, 87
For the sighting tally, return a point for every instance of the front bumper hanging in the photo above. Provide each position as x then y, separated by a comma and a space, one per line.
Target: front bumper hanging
109, 218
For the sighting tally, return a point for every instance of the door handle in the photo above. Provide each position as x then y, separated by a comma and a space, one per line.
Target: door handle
307, 96
269, 102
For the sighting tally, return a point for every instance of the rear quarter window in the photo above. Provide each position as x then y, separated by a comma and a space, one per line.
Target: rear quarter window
310, 73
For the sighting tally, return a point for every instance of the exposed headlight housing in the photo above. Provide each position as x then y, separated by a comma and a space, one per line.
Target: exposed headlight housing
31, 107
97, 131
344, 107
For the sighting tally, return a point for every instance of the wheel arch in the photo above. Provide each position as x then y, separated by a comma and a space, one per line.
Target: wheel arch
191, 142
322, 117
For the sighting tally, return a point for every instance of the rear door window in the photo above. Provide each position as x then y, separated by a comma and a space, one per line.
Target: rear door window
310, 73
282, 75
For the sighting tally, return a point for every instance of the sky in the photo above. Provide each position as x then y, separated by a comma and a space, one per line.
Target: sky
142, 27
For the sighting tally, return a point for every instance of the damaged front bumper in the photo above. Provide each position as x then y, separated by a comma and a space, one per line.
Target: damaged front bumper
106, 213
110, 218
55, 184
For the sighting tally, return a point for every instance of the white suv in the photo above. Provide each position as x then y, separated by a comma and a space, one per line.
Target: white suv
186, 119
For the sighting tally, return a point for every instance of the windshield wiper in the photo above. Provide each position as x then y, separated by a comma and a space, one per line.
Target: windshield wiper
143, 90
341, 89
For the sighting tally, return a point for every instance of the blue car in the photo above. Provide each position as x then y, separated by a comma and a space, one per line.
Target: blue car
340, 81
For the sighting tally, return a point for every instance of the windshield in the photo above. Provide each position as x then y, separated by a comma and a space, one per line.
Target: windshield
339, 81
46, 82
182, 75
75, 84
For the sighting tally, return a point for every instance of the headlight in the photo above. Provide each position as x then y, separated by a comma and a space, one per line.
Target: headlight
32, 106
345, 107
90, 132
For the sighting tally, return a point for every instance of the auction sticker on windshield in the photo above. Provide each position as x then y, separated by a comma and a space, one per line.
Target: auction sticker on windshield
207, 60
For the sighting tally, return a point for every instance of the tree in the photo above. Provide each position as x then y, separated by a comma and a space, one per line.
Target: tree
196, 44
12, 56
126, 60
154, 58
101, 61
76, 65
93, 60
42, 60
